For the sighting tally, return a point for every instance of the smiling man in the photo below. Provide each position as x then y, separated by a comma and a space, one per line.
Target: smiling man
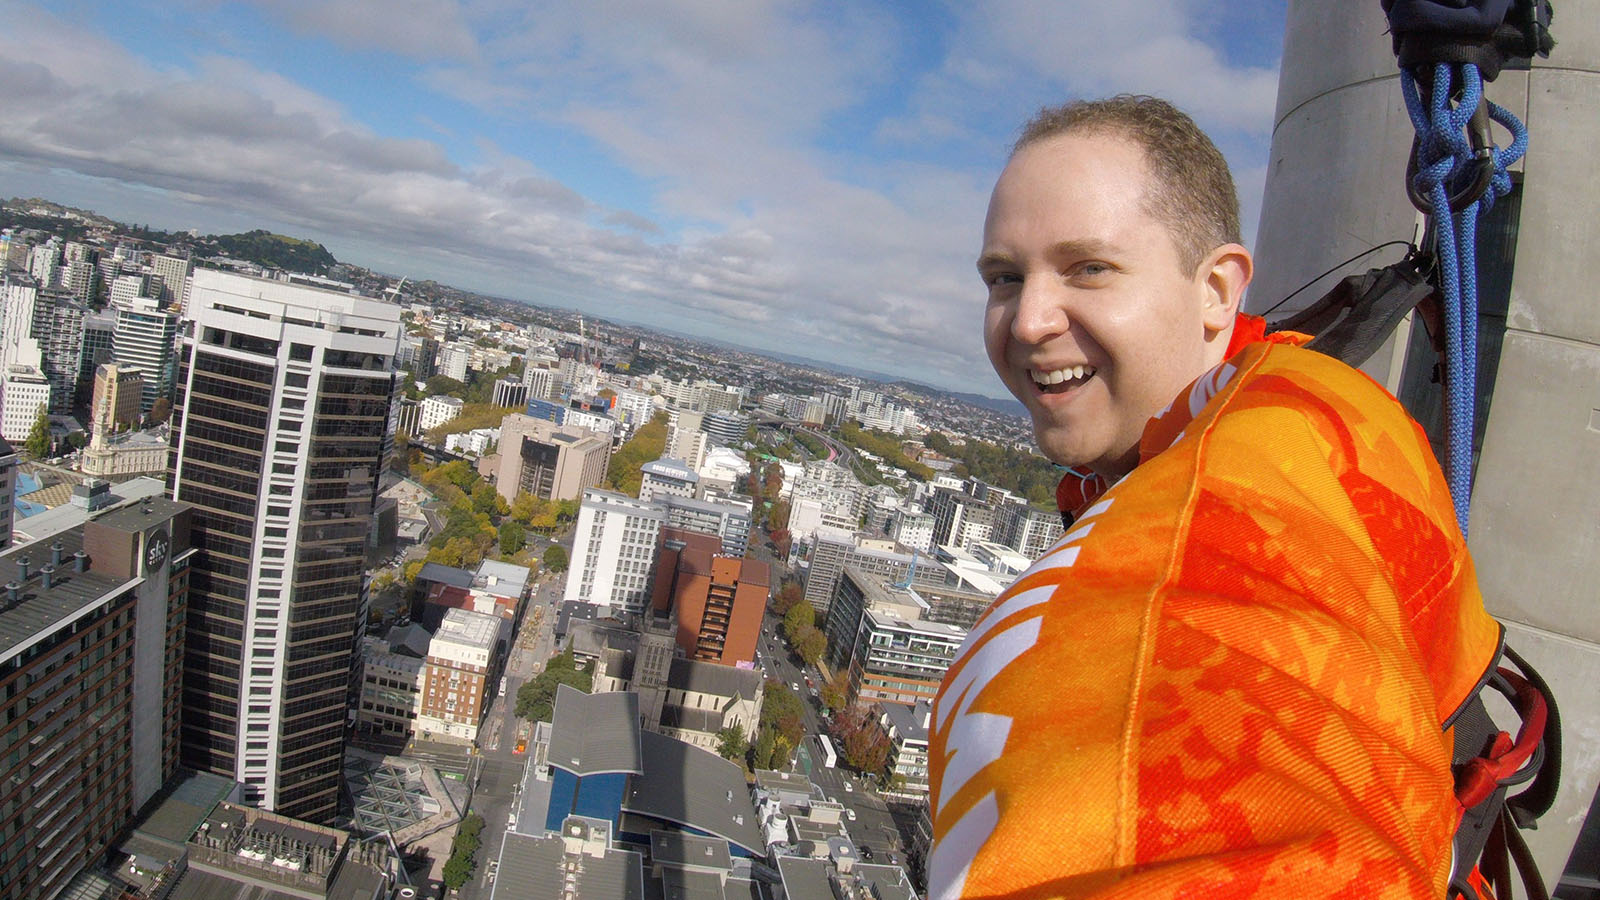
1229, 676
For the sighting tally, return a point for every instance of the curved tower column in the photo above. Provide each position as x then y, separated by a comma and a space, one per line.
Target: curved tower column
1334, 188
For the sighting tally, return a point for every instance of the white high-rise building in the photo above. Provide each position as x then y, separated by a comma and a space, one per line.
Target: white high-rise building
614, 551
280, 440
453, 360
146, 337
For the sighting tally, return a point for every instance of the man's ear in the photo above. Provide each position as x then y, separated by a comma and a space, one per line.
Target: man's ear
1224, 275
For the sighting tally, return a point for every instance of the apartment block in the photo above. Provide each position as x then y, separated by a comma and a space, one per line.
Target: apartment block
877, 634
453, 690
547, 460
91, 656
718, 600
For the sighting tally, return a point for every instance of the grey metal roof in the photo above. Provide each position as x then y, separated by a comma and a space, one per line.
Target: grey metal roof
443, 574
675, 848
533, 868
594, 733
688, 786
907, 720
40, 610
704, 677
805, 879
690, 718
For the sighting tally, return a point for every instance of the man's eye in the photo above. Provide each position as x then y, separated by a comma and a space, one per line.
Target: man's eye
996, 279
1093, 269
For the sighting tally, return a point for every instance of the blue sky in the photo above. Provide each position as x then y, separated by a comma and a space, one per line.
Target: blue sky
805, 177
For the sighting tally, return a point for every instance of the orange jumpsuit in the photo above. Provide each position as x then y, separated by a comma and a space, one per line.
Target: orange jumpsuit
1228, 678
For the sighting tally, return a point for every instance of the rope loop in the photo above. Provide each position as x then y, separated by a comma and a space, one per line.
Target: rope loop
1455, 175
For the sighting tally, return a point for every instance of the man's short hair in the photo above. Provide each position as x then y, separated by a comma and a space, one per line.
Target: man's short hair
1190, 190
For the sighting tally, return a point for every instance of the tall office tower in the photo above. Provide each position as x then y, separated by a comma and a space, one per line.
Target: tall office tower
280, 433
146, 336
45, 263
540, 379
90, 625
99, 337
453, 360
58, 327
427, 364
174, 272
510, 392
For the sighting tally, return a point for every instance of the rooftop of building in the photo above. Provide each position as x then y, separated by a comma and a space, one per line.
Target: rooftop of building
443, 574
37, 609
694, 788
466, 628
888, 620
76, 512
595, 733
535, 868
910, 723
500, 578
443, 400
667, 467
701, 677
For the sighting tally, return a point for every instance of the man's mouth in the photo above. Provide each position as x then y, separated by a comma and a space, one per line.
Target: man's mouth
1059, 381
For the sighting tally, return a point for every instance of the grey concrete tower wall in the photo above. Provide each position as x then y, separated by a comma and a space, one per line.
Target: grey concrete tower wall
1334, 188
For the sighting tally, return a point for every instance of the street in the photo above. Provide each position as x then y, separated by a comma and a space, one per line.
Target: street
496, 767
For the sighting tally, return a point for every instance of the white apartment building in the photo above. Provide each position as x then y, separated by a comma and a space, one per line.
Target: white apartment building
280, 441
453, 359
23, 392
473, 443
614, 551
667, 477
437, 410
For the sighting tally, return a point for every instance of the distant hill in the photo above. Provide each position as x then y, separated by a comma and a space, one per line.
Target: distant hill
1008, 405
268, 249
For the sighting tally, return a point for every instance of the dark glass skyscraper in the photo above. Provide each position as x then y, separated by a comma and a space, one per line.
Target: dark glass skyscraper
281, 427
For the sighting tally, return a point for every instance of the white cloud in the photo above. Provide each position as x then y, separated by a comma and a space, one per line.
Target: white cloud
724, 109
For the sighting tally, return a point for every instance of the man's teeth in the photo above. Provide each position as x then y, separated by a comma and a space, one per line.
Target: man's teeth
1071, 373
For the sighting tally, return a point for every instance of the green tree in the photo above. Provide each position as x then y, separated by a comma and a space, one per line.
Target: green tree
536, 698
444, 384
782, 710
811, 643
484, 498
646, 445
555, 558
800, 615
512, 537
459, 867
38, 441
732, 744
836, 691
766, 743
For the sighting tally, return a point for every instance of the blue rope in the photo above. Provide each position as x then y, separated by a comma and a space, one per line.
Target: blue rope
1444, 155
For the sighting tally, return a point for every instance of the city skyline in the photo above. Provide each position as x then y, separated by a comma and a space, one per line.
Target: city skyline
777, 178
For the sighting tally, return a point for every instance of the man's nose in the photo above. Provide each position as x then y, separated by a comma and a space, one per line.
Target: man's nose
1041, 311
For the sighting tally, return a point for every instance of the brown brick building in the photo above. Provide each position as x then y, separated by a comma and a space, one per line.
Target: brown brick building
719, 599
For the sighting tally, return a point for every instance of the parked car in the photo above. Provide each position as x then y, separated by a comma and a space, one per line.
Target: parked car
850, 814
